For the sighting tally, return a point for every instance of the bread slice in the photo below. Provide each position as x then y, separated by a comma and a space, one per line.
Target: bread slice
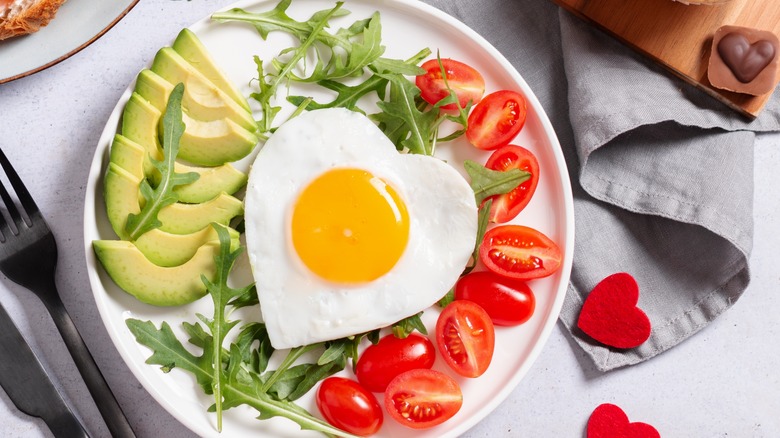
20, 17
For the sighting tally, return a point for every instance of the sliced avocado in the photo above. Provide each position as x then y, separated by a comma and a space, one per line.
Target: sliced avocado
181, 218
210, 143
215, 142
122, 196
139, 124
201, 99
212, 182
166, 249
130, 156
121, 191
152, 284
190, 48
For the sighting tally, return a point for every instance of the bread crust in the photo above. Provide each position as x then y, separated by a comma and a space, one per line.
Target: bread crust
30, 19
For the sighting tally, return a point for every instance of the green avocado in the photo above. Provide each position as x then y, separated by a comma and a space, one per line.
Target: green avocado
166, 249
152, 284
190, 48
123, 196
202, 100
139, 124
214, 142
210, 143
181, 218
130, 156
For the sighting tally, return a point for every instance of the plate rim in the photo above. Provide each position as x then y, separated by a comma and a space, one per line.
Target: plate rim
74, 51
545, 329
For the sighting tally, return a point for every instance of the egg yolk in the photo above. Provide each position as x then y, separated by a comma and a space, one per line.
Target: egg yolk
348, 226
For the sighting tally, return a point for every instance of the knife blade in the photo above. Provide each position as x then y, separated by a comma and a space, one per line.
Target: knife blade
26, 383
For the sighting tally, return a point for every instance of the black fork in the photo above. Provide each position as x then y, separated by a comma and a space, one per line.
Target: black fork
28, 257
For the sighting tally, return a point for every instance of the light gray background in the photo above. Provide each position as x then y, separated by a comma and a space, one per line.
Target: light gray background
722, 382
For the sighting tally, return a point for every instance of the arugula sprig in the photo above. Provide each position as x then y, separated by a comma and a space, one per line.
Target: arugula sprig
162, 195
237, 373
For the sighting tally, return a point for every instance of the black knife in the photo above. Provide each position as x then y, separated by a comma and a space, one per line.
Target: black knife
29, 387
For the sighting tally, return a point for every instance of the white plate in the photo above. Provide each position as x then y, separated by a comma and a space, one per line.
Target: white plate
78, 23
408, 26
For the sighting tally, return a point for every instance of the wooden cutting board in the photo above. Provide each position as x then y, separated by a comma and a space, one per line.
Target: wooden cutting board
679, 36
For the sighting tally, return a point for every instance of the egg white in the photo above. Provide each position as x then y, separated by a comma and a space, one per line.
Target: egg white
300, 308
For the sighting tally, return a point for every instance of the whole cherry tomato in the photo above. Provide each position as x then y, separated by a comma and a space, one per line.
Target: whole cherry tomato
507, 301
497, 119
466, 82
519, 252
423, 398
350, 407
505, 207
465, 337
391, 356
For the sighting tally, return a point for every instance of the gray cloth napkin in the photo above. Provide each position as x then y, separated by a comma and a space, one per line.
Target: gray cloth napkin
662, 174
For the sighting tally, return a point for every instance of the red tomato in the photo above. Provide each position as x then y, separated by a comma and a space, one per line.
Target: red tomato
506, 300
423, 398
380, 363
466, 337
505, 207
466, 82
519, 252
350, 407
496, 120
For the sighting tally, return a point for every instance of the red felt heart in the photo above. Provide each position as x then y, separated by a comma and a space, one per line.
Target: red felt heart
610, 314
609, 421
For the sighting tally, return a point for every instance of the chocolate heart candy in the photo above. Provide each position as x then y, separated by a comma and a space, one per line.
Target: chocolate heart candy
745, 60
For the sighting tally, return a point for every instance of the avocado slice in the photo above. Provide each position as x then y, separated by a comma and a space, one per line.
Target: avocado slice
166, 249
130, 156
191, 49
214, 142
210, 143
123, 196
139, 124
152, 284
181, 218
202, 100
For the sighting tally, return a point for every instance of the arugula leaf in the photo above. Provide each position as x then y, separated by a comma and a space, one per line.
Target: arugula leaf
486, 182
254, 359
482, 223
402, 110
169, 353
406, 326
162, 195
447, 298
349, 95
278, 20
221, 294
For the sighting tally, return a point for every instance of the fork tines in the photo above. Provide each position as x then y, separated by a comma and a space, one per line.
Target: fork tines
29, 208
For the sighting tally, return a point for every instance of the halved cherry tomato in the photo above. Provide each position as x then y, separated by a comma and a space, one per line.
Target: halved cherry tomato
497, 119
505, 207
350, 407
467, 83
506, 300
466, 337
381, 363
423, 398
519, 252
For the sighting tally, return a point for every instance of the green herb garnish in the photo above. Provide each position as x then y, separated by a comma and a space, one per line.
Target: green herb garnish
486, 182
163, 195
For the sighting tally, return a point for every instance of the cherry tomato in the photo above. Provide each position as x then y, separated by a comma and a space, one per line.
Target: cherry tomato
391, 356
507, 301
467, 83
466, 337
505, 207
350, 407
496, 120
423, 398
519, 252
